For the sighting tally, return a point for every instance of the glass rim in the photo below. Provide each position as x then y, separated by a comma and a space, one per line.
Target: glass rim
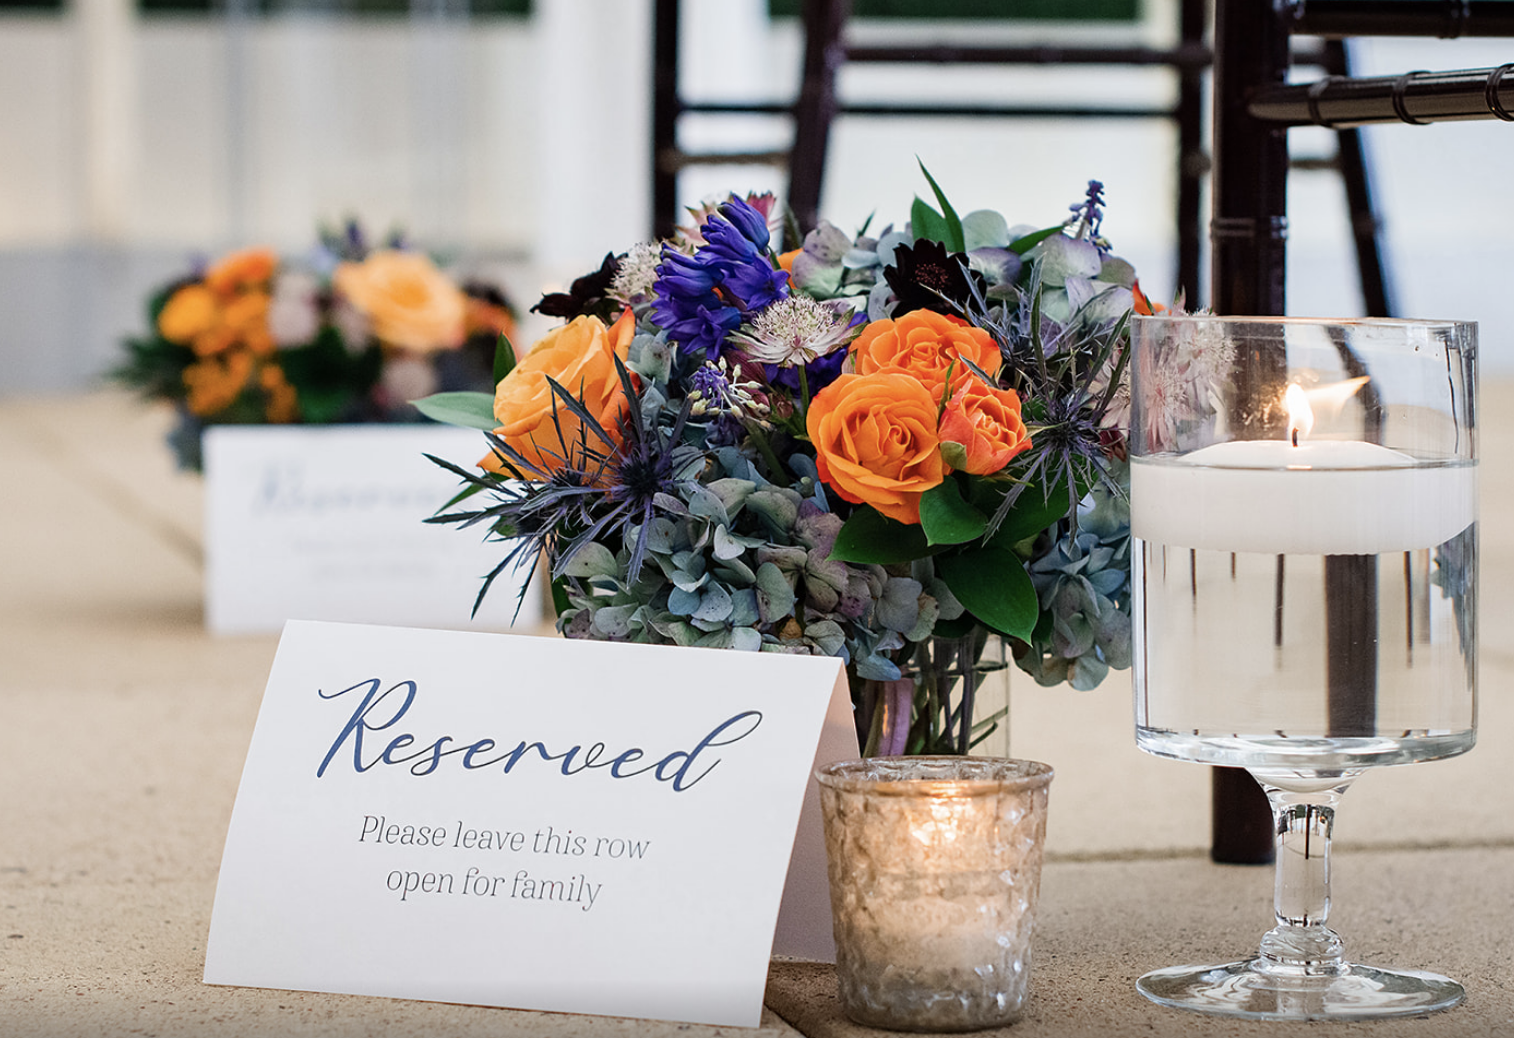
997, 775
1369, 322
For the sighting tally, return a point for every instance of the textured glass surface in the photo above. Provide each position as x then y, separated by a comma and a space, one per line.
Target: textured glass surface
935, 865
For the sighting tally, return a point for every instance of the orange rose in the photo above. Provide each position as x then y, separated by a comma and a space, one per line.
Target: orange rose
189, 313
926, 345
985, 423
875, 441
243, 269
410, 303
579, 357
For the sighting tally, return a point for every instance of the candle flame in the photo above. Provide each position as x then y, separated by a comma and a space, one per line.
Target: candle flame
1304, 406
1300, 414
939, 821
1332, 396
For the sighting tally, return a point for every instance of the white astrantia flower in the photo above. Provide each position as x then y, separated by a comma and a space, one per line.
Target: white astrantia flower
636, 273
797, 330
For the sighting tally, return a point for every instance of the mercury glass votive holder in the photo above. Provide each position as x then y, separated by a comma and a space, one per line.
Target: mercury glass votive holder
935, 867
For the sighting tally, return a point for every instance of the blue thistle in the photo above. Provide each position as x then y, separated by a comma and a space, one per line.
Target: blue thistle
593, 489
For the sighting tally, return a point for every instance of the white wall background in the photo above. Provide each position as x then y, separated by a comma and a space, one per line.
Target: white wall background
127, 146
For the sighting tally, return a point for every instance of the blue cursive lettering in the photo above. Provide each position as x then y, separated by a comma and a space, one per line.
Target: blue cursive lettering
378, 711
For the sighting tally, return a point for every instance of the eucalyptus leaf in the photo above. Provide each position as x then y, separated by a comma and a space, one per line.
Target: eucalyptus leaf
467, 409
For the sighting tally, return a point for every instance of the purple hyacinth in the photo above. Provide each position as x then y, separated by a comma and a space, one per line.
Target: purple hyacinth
695, 294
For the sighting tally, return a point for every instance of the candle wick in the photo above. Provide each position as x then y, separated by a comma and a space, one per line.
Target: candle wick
1295, 437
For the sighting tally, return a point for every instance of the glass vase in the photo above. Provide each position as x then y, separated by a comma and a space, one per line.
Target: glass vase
951, 698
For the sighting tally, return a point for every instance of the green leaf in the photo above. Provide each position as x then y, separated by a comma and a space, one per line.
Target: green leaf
954, 240
504, 358
1020, 246
1034, 510
948, 519
957, 627
870, 537
560, 602
469, 410
925, 222
992, 583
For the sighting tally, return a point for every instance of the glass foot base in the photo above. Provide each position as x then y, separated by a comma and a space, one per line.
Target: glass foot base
1360, 993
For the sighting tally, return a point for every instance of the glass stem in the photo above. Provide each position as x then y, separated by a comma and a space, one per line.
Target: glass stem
1303, 818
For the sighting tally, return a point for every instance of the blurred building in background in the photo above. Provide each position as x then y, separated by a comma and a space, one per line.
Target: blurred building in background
136, 135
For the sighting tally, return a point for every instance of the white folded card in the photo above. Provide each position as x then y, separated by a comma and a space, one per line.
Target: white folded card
529, 822
318, 522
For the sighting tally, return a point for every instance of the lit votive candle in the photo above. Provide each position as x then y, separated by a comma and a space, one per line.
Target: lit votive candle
935, 867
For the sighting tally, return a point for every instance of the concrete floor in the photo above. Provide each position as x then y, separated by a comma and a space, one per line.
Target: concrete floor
123, 727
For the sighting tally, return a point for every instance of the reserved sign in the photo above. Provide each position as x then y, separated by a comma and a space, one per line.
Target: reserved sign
529, 822
328, 523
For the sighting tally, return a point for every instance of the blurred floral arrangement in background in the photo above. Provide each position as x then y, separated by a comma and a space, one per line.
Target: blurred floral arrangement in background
889, 447
347, 333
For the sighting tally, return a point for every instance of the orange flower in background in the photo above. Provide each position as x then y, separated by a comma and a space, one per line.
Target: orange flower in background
1144, 305
229, 306
927, 345
245, 319
876, 443
283, 399
579, 357
240, 270
214, 383
481, 317
985, 422
410, 303
189, 313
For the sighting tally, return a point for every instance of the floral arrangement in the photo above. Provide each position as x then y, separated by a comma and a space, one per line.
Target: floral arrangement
887, 448
350, 334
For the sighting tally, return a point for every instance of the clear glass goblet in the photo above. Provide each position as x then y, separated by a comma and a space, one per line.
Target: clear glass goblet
1304, 500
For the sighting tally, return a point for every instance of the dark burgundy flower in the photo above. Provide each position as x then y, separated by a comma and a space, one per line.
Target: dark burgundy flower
927, 277
587, 295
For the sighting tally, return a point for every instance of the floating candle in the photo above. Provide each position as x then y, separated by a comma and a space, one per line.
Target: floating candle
1323, 497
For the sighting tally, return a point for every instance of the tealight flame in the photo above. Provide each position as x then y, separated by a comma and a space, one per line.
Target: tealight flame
1332, 396
1300, 414
1302, 404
